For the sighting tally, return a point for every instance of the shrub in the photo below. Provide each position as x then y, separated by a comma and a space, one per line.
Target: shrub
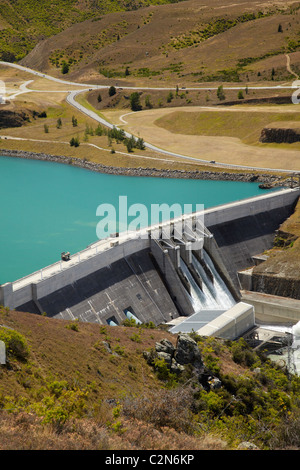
148, 103
74, 142
170, 97
15, 343
220, 93
136, 337
42, 114
163, 408
135, 101
73, 326
242, 353
65, 68
112, 91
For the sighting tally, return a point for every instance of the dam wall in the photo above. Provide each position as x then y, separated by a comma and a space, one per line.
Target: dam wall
62, 274
139, 272
247, 228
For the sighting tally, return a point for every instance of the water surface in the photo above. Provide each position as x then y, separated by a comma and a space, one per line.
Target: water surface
47, 208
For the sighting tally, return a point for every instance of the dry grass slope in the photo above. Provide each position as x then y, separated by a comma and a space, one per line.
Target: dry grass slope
80, 386
183, 42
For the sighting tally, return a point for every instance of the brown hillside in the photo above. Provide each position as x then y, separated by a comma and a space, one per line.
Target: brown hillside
162, 43
79, 386
69, 361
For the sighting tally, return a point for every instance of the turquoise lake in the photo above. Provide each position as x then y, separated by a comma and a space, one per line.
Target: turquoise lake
47, 208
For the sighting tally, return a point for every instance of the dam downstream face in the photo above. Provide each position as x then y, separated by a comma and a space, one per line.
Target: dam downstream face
47, 208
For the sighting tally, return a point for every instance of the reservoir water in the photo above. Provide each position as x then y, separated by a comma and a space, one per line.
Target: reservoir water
47, 208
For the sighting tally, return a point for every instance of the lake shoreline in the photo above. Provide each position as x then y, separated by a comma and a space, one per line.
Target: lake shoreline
265, 179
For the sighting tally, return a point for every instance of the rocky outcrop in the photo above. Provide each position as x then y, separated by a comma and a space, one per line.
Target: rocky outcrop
12, 119
280, 135
185, 355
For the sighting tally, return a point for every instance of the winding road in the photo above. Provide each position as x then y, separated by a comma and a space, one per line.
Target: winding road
71, 100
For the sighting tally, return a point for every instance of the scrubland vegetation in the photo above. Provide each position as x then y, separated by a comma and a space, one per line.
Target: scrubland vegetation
73, 385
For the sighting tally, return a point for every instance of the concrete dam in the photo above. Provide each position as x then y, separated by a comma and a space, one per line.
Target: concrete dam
189, 281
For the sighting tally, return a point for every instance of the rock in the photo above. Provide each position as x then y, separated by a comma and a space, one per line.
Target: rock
247, 446
186, 355
187, 351
107, 346
12, 119
153, 172
165, 346
215, 383
280, 135
2, 353
176, 368
150, 356
166, 357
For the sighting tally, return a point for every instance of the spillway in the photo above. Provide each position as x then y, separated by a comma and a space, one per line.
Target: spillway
214, 294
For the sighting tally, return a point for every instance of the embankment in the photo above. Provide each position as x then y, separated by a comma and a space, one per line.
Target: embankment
266, 179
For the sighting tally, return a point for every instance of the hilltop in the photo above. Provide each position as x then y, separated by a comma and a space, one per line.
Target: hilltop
23, 23
69, 385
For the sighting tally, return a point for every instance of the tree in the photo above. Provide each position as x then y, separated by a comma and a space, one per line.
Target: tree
170, 97
59, 123
65, 67
135, 101
99, 98
74, 142
279, 28
140, 144
74, 121
272, 73
220, 93
240, 95
112, 91
129, 145
148, 103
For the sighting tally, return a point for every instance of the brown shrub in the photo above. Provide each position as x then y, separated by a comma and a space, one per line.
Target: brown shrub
164, 408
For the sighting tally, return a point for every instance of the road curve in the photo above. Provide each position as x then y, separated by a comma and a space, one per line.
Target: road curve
72, 101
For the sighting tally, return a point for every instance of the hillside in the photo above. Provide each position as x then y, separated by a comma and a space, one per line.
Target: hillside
70, 386
23, 23
181, 42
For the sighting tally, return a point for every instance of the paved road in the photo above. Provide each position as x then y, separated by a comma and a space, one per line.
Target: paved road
66, 82
71, 99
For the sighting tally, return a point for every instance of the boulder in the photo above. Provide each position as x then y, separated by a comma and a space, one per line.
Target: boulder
187, 351
165, 346
2, 353
247, 446
176, 368
215, 383
166, 357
